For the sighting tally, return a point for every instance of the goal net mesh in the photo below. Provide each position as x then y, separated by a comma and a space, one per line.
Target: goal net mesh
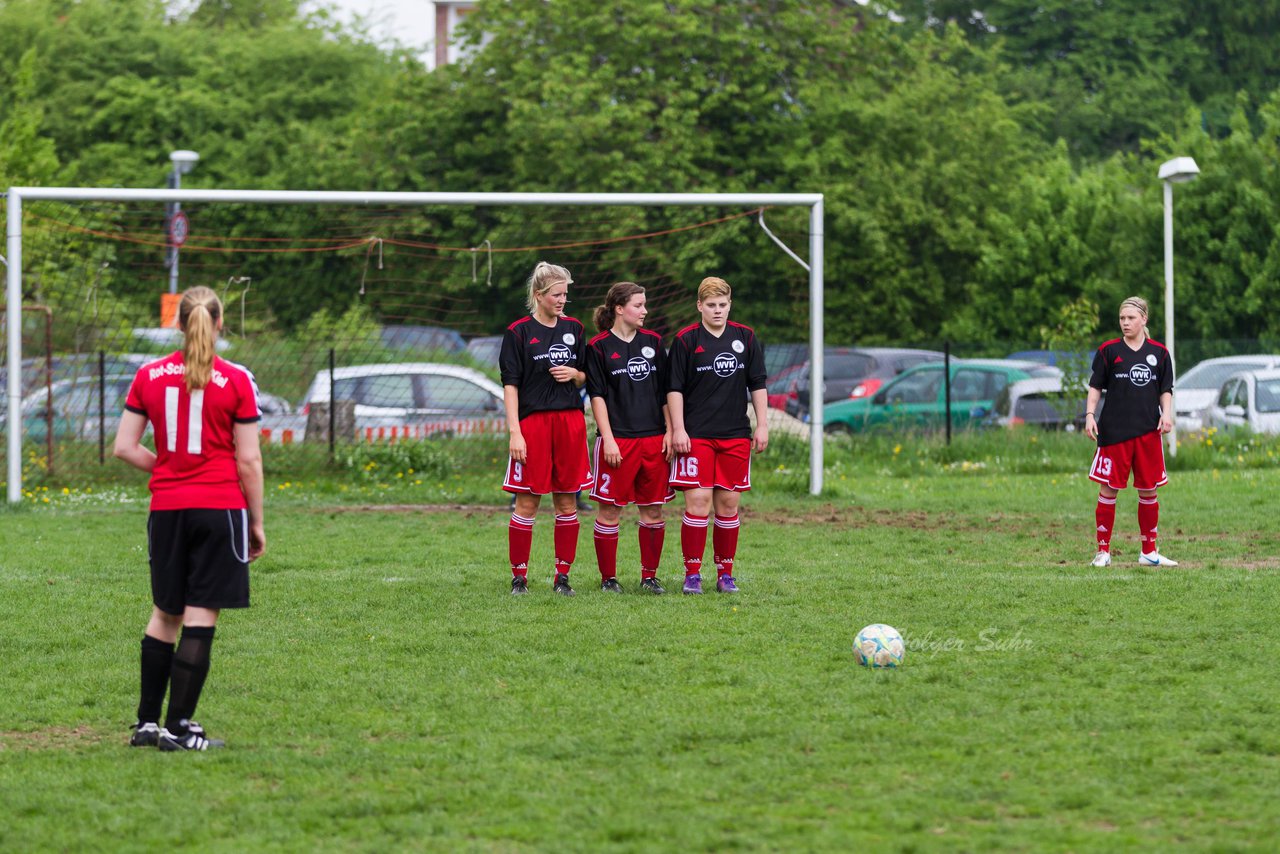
314, 292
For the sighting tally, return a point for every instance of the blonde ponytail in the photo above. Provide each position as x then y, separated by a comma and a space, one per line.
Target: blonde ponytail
198, 315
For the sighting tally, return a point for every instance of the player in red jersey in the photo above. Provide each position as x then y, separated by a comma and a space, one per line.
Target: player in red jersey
717, 366
541, 366
206, 512
1137, 375
627, 382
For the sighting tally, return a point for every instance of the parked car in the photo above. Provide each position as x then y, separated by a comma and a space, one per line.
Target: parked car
1250, 399
485, 349
779, 358
420, 398
917, 398
1078, 360
423, 338
1195, 391
1040, 402
852, 372
75, 412
783, 387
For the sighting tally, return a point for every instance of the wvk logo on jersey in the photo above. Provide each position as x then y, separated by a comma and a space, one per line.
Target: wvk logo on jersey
1140, 375
560, 354
638, 369
725, 364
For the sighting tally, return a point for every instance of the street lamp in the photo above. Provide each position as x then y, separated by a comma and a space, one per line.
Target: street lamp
183, 162
1179, 170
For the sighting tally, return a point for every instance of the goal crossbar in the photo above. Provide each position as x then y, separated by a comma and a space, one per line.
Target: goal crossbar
13, 273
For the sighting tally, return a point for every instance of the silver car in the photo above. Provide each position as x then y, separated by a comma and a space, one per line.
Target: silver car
1195, 391
414, 399
1250, 399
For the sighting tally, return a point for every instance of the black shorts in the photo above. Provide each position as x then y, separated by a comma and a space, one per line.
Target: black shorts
199, 558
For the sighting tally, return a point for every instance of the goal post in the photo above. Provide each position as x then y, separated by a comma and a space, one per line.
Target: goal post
14, 275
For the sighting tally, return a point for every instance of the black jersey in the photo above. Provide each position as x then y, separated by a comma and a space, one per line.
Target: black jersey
716, 377
631, 378
530, 350
1133, 381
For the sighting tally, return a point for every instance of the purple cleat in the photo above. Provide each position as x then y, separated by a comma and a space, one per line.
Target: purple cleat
724, 584
692, 585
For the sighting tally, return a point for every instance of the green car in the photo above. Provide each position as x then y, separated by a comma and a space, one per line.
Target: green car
916, 398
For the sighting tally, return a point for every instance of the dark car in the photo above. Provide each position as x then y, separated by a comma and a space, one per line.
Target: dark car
423, 339
853, 373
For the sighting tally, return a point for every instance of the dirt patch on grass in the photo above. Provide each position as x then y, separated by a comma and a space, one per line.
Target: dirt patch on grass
56, 739
467, 509
850, 517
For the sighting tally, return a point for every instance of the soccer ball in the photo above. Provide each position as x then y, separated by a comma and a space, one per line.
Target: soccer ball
879, 645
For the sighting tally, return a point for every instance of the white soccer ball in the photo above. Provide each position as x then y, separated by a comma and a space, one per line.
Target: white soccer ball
879, 645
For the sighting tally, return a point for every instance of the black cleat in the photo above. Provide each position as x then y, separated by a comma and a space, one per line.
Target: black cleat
561, 584
651, 585
519, 585
144, 735
611, 585
193, 739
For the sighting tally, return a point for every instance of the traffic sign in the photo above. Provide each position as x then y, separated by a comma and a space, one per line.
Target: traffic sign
179, 229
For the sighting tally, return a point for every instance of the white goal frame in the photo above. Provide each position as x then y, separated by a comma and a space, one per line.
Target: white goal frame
13, 289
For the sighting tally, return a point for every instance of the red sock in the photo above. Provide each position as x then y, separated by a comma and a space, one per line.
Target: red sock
1106, 516
519, 542
724, 543
693, 542
566, 541
1148, 518
651, 536
606, 538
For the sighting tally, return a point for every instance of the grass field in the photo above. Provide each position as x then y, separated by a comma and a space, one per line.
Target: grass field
385, 693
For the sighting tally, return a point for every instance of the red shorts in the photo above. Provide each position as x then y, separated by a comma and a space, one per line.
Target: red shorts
713, 464
1144, 455
555, 454
641, 477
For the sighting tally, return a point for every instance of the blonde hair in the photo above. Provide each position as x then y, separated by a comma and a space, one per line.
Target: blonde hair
198, 315
1139, 305
714, 286
545, 276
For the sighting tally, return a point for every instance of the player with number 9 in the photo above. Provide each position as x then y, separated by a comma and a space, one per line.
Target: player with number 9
205, 524
541, 366
717, 367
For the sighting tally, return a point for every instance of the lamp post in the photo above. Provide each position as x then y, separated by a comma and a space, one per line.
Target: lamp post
183, 162
1179, 170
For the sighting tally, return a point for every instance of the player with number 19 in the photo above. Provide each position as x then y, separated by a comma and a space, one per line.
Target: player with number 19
717, 367
206, 512
627, 382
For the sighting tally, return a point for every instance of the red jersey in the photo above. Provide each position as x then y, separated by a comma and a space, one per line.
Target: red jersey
194, 432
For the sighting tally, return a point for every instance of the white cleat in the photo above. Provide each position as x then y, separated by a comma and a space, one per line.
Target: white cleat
1101, 559
1155, 559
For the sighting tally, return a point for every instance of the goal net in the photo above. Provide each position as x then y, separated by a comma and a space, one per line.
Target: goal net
371, 321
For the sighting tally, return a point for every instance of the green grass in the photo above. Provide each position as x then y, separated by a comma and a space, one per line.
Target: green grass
385, 692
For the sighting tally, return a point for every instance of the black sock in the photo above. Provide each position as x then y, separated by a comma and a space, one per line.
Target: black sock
190, 667
156, 658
